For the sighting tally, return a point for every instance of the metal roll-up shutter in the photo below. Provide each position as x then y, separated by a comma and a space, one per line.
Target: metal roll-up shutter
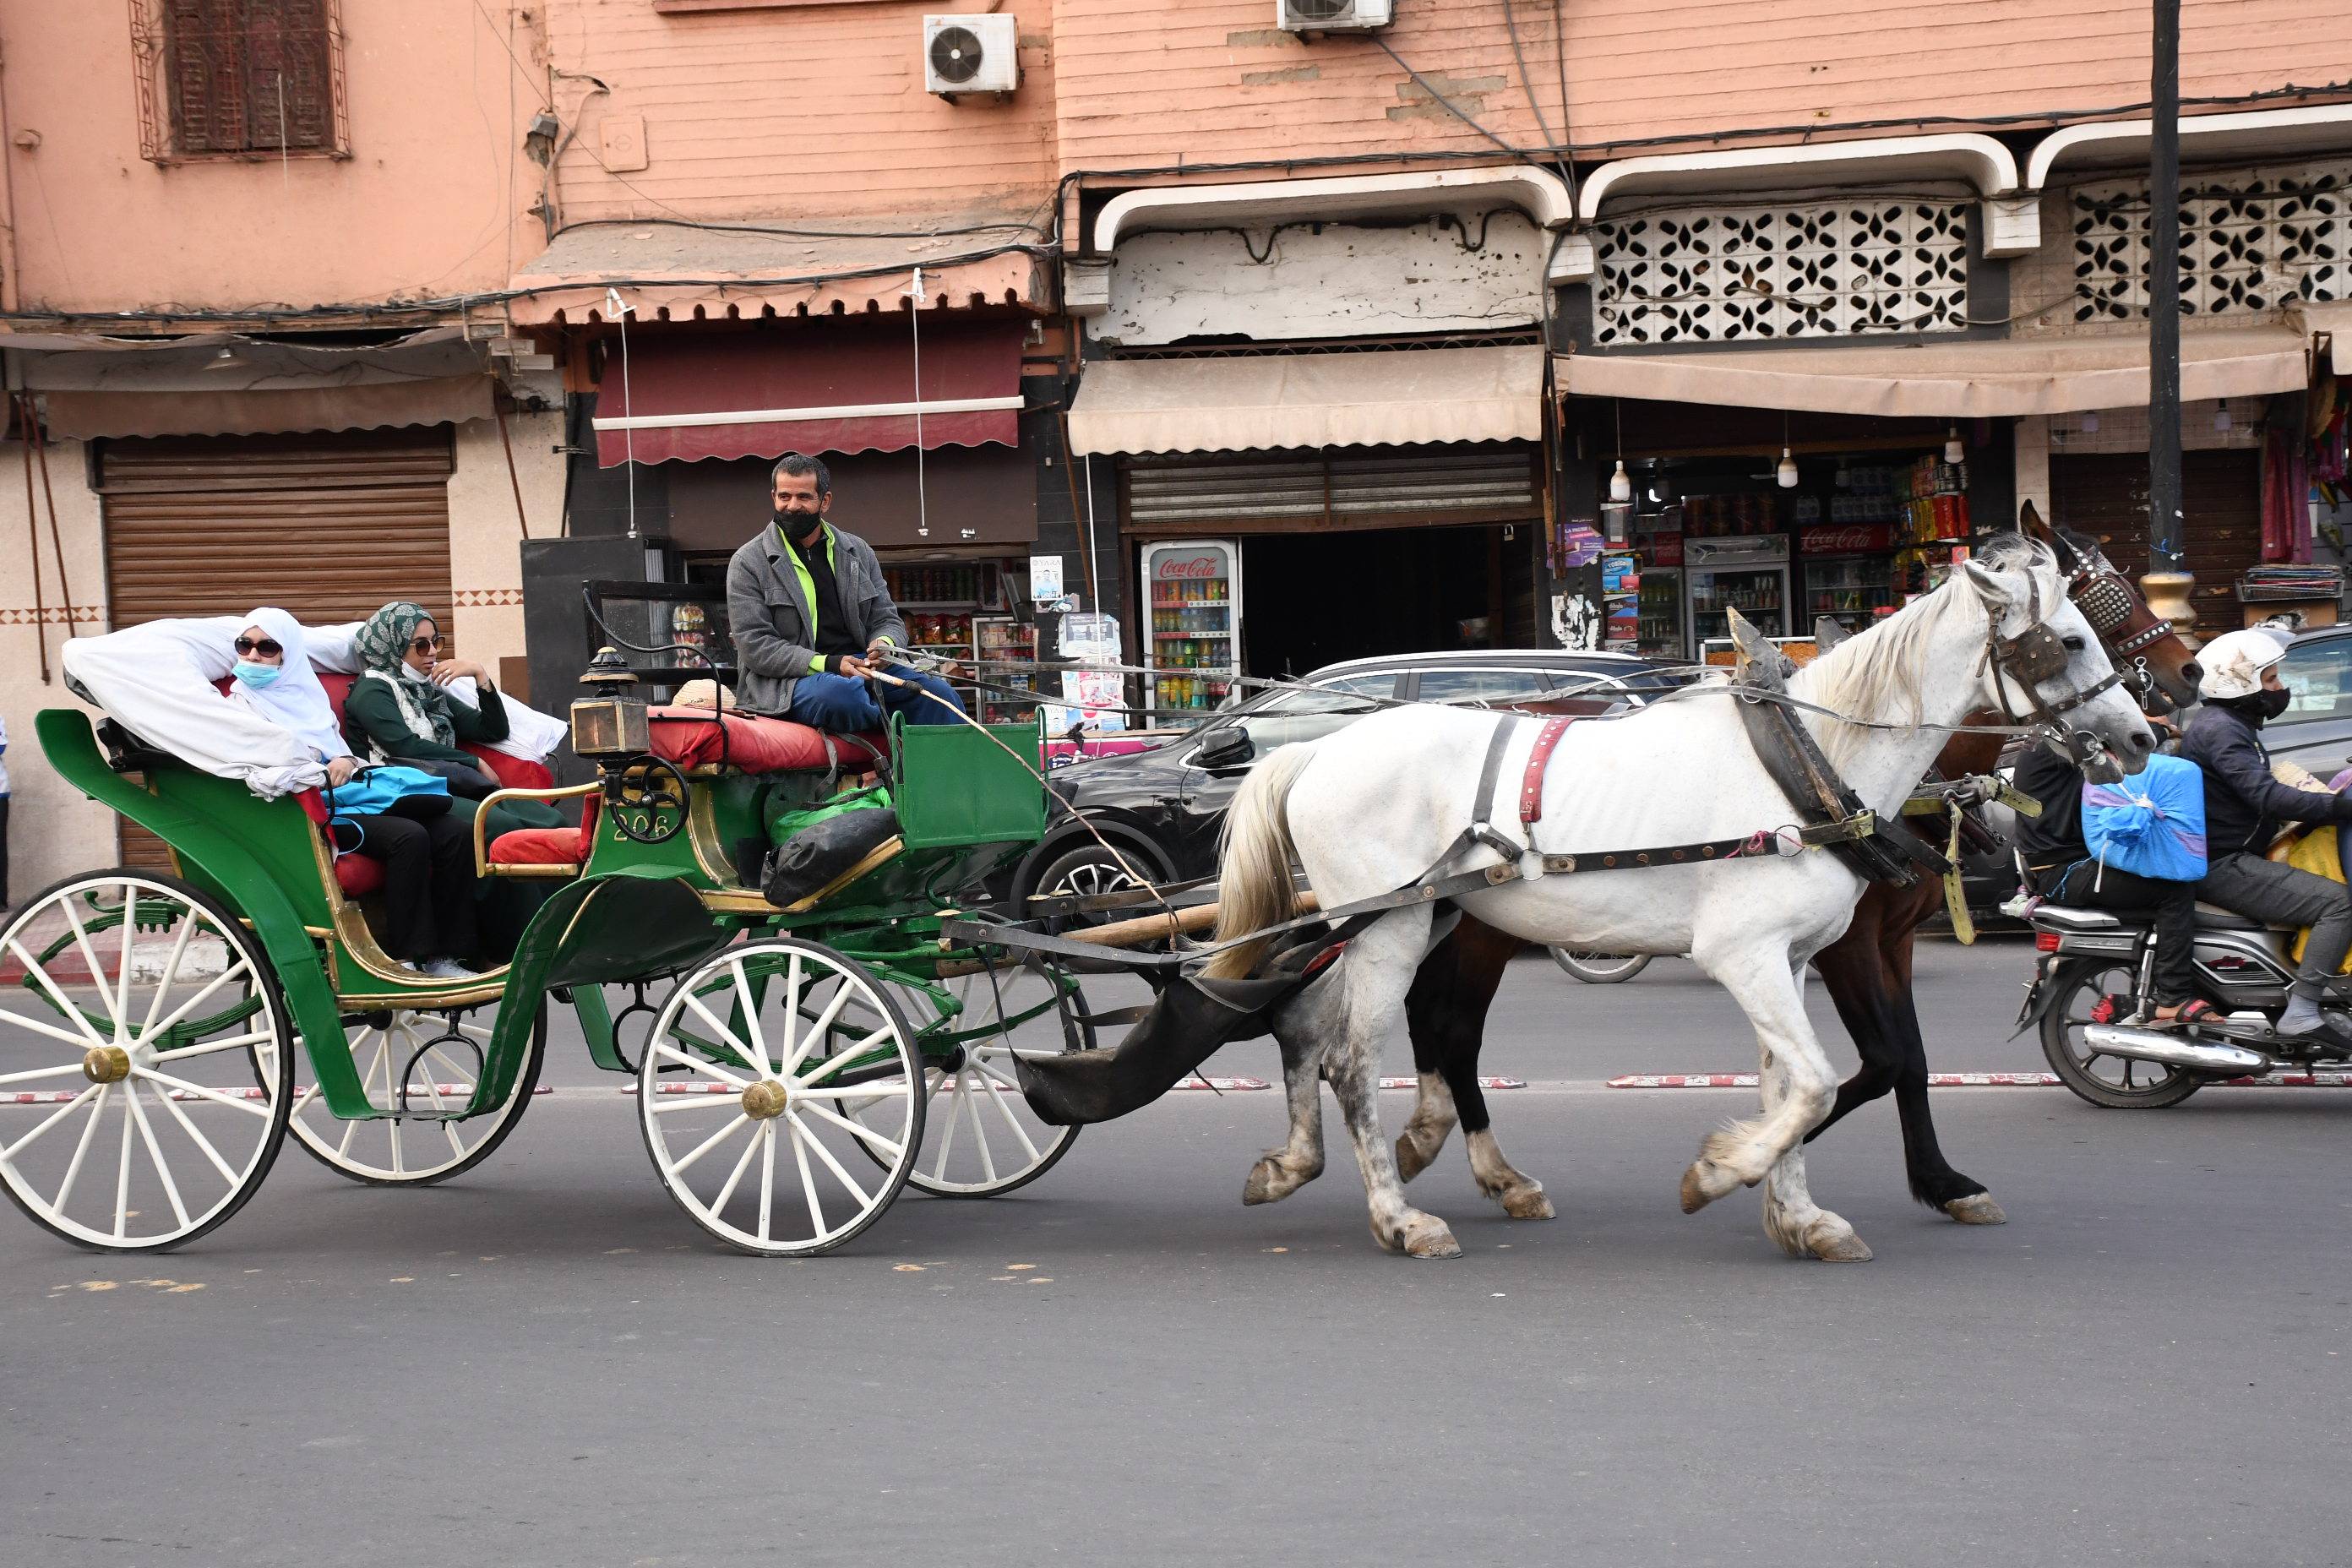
1342, 487
325, 527
2105, 495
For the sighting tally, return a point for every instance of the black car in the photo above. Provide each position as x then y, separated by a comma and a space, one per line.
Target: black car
1162, 808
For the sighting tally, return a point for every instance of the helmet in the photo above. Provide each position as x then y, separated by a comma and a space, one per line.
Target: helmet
2235, 661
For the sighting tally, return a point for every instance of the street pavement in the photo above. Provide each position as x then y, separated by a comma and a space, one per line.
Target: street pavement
545, 1363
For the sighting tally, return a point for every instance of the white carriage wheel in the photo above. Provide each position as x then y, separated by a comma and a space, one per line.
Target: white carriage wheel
418, 1149
146, 1065
981, 1140
744, 1066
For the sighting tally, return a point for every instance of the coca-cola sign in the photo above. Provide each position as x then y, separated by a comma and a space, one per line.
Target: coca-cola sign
1170, 567
1846, 538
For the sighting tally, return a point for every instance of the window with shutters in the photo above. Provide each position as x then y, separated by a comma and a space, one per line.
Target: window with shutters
239, 79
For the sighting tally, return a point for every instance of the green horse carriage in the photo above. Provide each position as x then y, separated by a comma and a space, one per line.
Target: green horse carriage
161, 1033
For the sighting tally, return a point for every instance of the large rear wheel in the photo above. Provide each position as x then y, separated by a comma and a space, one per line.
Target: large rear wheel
145, 1061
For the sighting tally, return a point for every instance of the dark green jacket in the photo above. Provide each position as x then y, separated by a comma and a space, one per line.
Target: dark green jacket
373, 721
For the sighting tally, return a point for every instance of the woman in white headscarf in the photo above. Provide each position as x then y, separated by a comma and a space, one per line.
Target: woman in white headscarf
428, 866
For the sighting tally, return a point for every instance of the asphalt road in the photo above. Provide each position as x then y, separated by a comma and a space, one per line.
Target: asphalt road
543, 1364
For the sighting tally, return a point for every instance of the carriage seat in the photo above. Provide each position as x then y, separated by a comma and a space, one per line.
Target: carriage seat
357, 875
687, 737
548, 846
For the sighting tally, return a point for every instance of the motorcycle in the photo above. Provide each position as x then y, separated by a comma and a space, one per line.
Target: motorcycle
2083, 956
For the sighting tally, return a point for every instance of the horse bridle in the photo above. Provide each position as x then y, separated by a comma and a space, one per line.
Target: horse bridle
2032, 658
2100, 592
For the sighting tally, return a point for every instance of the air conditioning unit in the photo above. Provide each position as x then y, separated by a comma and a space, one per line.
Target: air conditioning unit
1333, 15
965, 55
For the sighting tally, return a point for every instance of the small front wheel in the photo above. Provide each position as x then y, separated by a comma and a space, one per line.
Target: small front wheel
426, 1064
2117, 1083
1600, 968
146, 1059
785, 1055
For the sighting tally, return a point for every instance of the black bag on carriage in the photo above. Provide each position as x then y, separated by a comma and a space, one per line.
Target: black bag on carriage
826, 849
1183, 1029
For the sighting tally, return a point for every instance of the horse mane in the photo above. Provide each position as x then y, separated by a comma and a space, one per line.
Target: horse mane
1879, 672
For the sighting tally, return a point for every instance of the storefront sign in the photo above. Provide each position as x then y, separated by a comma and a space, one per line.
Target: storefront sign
1579, 546
1737, 550
1846, 538
1183, 568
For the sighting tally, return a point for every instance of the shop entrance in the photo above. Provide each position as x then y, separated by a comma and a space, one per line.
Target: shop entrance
1313, 599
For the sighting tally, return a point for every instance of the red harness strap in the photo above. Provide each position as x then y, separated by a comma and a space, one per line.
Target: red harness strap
1538, 759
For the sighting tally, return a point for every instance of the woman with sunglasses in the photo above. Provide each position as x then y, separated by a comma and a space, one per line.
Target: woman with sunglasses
401, 709
428, 864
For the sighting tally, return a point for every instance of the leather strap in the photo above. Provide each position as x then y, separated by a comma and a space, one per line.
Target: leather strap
1482, 809
1539, 761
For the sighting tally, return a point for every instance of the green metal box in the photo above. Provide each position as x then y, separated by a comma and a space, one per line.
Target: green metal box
959, 786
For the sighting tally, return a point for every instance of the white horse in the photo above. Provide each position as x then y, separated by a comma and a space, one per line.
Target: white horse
1371, 808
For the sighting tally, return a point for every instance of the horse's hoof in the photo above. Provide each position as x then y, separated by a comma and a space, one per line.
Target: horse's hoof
1426, 1235
1697, 1190
1528, 1202
1837, 1246
1269, 1183
1977, 1208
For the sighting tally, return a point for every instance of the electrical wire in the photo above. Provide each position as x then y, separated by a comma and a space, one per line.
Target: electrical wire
1521, 154
718, 228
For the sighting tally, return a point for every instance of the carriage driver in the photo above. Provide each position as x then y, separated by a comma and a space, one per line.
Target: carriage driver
813, 620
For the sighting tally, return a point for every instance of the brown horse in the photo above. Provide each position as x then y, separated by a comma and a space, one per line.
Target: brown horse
1867, 972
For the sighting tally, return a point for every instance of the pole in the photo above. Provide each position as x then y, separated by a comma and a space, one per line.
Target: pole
2164, 519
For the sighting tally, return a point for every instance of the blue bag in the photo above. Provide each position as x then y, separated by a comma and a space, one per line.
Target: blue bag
388, 791
2152, 824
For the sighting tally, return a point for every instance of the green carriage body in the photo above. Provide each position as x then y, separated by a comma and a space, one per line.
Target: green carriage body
633, 911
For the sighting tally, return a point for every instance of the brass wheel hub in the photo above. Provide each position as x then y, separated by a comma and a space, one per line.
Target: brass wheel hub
765, 1099
106, 1064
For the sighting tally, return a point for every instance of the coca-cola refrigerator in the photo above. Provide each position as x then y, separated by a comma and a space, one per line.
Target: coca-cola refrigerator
1191, 625
1848, 573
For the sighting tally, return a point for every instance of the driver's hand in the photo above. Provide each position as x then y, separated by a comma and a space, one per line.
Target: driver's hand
850, 665
340, 771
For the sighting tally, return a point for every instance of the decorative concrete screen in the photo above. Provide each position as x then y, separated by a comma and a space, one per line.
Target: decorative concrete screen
2248, 241
1835, 269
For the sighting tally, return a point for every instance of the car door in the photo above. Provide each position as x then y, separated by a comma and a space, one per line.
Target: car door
2315, 730
1299, 713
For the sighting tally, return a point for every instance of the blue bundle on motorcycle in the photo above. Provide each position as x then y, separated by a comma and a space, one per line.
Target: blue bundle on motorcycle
2152, 824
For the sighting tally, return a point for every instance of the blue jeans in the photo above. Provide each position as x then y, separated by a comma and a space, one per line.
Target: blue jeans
848, 707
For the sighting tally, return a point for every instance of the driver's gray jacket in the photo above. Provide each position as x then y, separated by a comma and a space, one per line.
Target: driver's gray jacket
769, 618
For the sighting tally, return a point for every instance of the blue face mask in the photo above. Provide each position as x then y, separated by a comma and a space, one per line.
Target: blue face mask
257, 675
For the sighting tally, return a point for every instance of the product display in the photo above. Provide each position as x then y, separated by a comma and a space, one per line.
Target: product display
1194, 618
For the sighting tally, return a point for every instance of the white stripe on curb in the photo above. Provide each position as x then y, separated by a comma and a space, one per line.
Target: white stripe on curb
1974, 1080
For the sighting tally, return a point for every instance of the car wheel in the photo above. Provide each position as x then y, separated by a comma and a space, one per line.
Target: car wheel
1085, 870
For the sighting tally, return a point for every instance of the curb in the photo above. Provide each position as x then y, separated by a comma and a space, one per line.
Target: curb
2331, 1079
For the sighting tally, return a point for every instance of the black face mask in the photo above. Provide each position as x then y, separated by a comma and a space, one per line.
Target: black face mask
800, 527
2271, 704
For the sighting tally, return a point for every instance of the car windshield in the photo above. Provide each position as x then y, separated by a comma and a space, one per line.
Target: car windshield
1299, 713
2318, 677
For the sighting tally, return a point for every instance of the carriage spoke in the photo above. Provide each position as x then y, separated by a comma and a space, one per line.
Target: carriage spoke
393, 1127
123, 980
808, 1182
233, 971
767, 1167
711, 1018
718, 1204
1013, 1121
821, 1025
795, 1043
686, 1164
979, 1133
252, 1107
826, 1154
863, 1134
78, 1041
89, 1036
955, 1120
30, 1075
89, 1133
842, 1059
206, 1048
170, 973
700, 1064
97, 970
123, 1174
751, 1027
843, 1091
155, 1152
188, 1125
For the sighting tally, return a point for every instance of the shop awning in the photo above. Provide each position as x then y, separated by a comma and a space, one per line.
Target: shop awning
227, 384
818, 388
2336, 319
1385, 398
1950, 380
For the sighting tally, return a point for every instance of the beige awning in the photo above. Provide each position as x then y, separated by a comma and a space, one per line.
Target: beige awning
1963, 380
78, 416
2336, 319
1385, 398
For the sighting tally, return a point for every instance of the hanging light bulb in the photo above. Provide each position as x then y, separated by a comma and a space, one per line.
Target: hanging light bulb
1954, 453
1843, 478
1787, 472
2222, 416
1621, 484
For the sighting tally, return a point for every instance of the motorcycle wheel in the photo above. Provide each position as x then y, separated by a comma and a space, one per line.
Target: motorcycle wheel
2117, 1083
1600, 968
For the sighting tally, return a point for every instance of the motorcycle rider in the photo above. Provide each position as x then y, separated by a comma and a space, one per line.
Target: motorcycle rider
2059, 867
2243, 808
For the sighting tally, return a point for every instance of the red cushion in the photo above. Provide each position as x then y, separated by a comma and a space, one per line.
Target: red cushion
540, 846
687, 737
357, 875
512, 773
